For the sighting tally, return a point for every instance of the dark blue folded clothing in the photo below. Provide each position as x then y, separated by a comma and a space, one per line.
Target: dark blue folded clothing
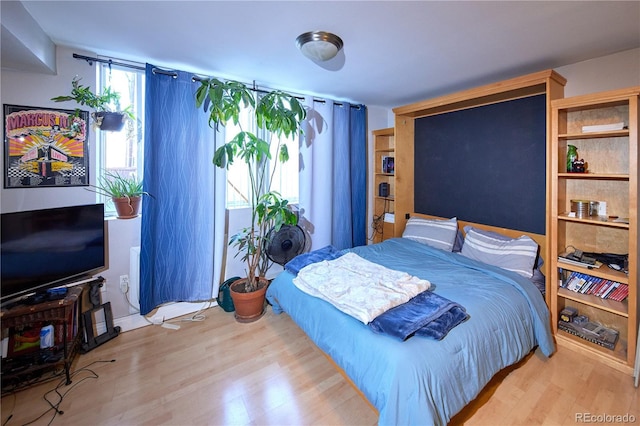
326, 253
428, 315
439, 327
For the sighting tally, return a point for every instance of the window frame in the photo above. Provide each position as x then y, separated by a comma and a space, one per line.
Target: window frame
104, 72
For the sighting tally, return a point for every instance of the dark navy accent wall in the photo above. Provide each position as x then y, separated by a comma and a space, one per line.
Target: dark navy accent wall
485, 164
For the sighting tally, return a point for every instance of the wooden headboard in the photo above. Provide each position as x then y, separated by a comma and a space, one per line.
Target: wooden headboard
513, 233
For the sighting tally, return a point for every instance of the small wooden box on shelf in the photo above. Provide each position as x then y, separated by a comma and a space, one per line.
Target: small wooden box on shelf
383, 184
611, 176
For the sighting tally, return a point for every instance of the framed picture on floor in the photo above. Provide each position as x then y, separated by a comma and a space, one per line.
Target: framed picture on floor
45, 147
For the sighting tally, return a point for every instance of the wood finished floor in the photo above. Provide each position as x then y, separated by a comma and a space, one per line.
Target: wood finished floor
219, 372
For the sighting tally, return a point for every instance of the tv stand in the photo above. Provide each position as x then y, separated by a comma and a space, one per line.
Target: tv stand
28, 367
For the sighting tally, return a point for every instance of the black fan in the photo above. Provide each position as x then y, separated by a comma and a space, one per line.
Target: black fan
285, 244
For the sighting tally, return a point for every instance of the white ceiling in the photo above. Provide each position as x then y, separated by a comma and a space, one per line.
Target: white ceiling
395, 52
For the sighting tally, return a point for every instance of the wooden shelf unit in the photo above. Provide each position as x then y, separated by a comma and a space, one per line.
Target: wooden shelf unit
383, 146
612, 177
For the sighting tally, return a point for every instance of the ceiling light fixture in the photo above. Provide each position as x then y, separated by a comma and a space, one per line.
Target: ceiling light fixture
319, 45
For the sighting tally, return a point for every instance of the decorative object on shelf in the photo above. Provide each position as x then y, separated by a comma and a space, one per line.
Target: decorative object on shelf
45, 147
278, 114
125, 191
319, 45
579, 166
580, 208
572, 155
388, 165
107, 115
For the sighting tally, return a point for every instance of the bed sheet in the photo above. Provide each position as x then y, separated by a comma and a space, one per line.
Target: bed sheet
423, 381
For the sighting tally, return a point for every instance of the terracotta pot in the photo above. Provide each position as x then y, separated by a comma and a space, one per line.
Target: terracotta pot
127, 207
249, 306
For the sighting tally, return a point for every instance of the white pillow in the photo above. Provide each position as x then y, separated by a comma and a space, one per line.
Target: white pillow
517, 254
437, 233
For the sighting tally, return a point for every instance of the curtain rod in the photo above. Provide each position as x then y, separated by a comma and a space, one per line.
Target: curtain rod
91, 60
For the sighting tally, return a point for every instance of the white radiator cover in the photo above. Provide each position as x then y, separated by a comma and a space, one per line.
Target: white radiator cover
163, 313
134, 280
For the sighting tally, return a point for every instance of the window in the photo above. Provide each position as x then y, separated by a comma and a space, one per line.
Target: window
121, 152
285, 179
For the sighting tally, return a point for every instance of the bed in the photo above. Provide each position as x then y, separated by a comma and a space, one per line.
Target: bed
421, 380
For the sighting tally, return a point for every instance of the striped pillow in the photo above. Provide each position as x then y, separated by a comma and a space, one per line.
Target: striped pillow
517, 255
437, 233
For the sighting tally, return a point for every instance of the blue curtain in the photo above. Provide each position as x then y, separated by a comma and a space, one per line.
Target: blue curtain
177, 242
349, 202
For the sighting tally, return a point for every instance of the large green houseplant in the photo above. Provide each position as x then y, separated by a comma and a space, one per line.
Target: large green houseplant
277, 114
107, 113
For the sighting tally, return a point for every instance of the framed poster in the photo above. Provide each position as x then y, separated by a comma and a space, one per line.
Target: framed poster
45, 147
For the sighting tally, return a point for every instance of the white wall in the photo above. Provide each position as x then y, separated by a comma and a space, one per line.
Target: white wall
610, 72
35, 89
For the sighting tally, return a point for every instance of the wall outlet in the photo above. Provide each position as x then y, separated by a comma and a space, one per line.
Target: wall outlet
124, 283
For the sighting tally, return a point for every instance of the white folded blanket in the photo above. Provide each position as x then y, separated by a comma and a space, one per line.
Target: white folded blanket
358, 287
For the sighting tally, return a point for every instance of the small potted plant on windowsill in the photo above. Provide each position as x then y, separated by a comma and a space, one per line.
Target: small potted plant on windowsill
125, 191
107, 115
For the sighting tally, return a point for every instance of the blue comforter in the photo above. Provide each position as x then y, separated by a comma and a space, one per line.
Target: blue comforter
420, 380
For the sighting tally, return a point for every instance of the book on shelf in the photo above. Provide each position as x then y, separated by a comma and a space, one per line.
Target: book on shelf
594, 286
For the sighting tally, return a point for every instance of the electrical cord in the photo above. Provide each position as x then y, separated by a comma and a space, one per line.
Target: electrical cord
196, 317
126, 296
55, 405
377, 226
378, 221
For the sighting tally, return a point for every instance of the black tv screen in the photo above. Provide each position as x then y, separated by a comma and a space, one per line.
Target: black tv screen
41, 249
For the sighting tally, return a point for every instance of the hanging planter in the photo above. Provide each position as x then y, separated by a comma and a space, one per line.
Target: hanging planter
108, 115
109, 121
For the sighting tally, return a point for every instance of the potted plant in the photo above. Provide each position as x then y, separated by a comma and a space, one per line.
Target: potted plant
125, 191
107, 115
276, 114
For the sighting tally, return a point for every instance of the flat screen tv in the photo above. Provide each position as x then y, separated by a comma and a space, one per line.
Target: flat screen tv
42, 249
